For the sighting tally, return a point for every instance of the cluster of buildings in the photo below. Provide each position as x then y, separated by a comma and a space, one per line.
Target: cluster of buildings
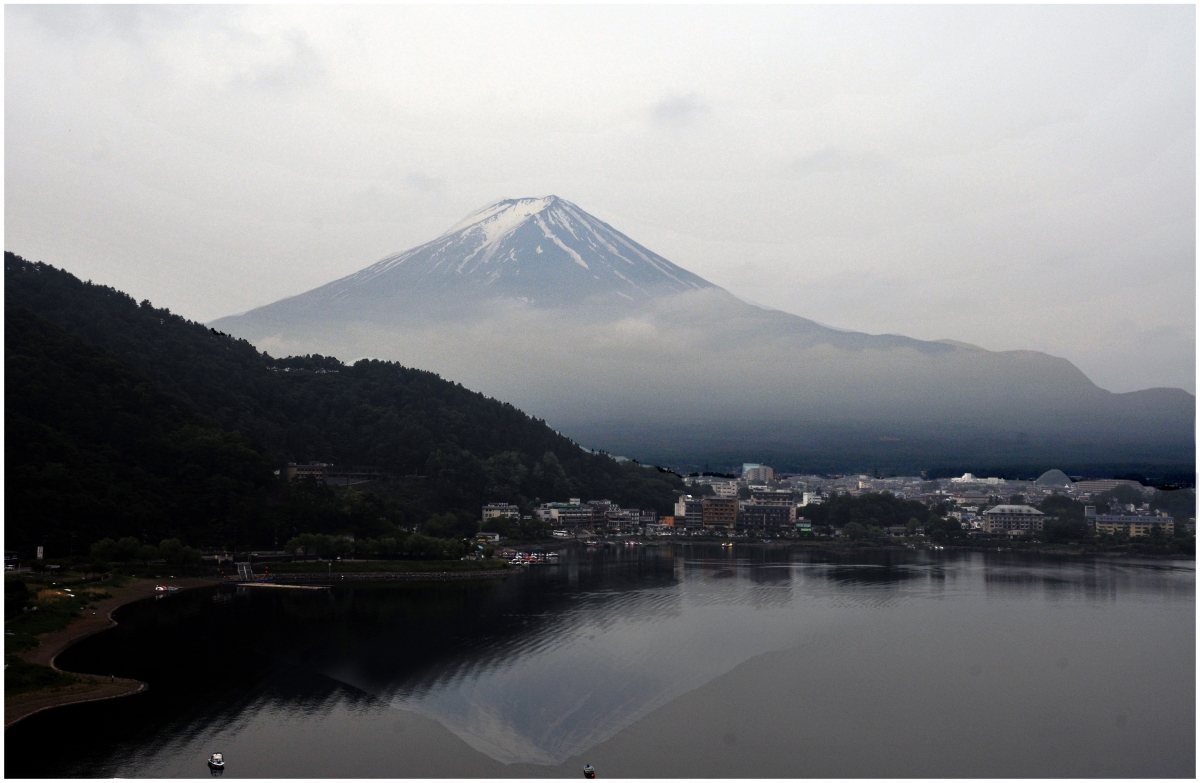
974, 503
767, 511
576, 516
768, 508
1021, 520
762, 502
1005, 506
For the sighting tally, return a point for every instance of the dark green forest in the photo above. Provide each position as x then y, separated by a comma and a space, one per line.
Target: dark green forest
94, 448
869, 514
161, 427
881, 509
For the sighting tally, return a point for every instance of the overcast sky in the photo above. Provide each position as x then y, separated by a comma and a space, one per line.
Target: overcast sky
1014, 177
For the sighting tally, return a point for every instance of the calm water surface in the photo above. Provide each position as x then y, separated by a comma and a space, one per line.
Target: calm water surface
684, 660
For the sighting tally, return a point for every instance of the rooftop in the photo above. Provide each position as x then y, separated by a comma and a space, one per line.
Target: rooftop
1006, 509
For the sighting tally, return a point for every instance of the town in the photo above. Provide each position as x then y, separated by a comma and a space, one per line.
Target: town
759, 504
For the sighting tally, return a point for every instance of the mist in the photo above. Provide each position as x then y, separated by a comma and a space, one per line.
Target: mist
703, 372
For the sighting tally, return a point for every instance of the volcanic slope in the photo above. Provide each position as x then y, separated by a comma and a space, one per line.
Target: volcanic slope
541, 251
534, 301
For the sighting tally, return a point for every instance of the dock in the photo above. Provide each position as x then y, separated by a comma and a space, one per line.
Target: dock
290, 579
283, 587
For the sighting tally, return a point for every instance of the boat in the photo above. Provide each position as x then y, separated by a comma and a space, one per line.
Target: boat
589, 771
216, 761
166, 589
535, 558
728, 544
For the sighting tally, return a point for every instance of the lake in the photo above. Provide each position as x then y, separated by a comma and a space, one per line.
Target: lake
665, 661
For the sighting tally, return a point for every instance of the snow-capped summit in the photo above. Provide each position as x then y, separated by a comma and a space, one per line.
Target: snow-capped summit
503, 215
545, 251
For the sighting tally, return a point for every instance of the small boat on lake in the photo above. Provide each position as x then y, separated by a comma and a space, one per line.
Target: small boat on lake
589, 771
166, 589
216, 761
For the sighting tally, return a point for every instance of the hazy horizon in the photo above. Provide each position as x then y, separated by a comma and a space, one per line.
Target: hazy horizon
1018, 178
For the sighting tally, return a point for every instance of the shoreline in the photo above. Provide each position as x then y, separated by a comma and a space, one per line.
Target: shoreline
837, 545
841, 549
285, 578
92, 687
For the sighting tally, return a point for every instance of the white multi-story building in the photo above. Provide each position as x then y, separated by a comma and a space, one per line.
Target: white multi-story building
573, 513
1005, 518
753, 471
1133, 525
725, 489
971, 478
689, 512
494, 510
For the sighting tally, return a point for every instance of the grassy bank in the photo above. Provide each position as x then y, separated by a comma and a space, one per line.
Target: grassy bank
39, 605
20, 676
42, 608
381, 566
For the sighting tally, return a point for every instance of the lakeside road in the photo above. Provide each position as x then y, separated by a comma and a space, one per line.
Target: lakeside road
91, 687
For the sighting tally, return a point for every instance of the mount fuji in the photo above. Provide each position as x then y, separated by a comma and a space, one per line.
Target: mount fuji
538, 303
545, 251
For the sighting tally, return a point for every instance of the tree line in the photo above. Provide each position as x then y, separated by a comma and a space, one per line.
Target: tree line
129, 550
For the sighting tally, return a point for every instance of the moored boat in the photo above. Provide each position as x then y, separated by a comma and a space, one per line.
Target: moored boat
535, 558
216, 761
589, 771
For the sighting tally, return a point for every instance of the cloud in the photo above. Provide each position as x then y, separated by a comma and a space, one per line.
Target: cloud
299, 66
679, 110
419, 180
130, 23
833, 160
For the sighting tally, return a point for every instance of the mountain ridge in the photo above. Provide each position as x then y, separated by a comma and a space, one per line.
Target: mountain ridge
594, 352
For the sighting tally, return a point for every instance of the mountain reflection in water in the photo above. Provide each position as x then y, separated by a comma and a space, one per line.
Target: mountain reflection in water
561, 660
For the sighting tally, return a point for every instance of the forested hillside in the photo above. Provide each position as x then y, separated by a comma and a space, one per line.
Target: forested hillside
458, 448
93, 448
